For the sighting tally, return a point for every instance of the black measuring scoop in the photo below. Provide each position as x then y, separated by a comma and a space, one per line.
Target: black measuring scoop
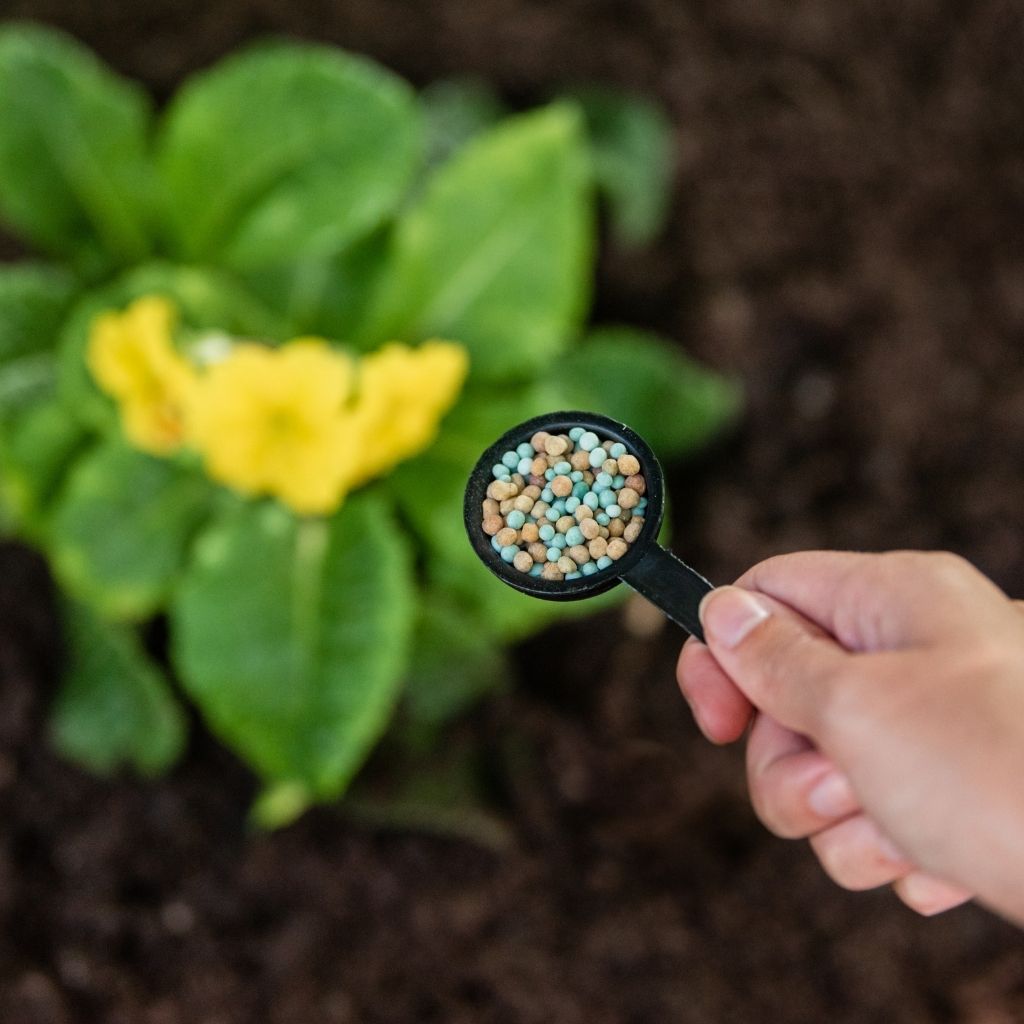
651, 570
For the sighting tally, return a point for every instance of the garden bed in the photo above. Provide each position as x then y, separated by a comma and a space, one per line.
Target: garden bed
845, 239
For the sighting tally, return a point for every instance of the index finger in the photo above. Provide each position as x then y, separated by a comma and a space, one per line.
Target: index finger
876, 602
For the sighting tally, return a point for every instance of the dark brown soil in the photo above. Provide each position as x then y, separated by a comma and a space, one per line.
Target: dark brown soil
847, 237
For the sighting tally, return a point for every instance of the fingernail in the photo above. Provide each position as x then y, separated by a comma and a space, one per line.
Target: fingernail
730, 613
833, 796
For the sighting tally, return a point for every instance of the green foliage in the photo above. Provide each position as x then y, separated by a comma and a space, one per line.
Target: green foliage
115, 707
121, 529
34, 301
631, 142
74, 174
34, 455
296, 189
496, 250
283, 152
296, 657
671, 401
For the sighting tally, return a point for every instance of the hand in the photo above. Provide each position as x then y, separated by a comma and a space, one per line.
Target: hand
887, 699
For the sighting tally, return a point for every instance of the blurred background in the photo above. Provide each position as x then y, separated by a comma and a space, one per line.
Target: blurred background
845, 237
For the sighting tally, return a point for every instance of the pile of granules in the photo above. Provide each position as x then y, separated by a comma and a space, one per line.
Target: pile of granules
564, 506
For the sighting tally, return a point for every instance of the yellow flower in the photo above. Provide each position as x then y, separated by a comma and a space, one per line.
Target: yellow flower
403, 394
271, 421
132, 357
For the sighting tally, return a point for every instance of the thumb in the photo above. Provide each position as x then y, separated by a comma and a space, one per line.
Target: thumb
784, 664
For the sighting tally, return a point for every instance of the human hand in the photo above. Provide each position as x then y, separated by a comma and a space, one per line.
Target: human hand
887, 699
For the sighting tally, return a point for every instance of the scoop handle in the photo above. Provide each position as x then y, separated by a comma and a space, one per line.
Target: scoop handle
671, 585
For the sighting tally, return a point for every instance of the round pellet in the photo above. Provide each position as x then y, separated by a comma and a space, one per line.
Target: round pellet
604, 562
574, 535
583, 512
506, 506
561, 486
556, 445
491, 507
610, 466
614, 511
492, 524
637, 483
529, 533
579, 554
604, 531
516, 519
588, 441
597, 547
519, 480
499, 490
546, 532
565, 524
566, 564
589, 528
523, 503
539, 466
531, 491
508, 536
509, 552
553, 554
523, 561
617, 450
538, 439
632, 530
538, 552
628, 498
552, 572
597, 457
617, 547
539, 508
617, 528
579, 460
628, 464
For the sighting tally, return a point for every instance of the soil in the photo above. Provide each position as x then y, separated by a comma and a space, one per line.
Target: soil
845, 238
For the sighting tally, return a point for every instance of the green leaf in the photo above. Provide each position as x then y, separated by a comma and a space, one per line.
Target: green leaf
455, 662
209, 300
674, 403
114, 707
496, 253
283, 152
36, 451
34, 300
292, 637
121, 529
326, 297
454, 111
74, 175
631, 141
